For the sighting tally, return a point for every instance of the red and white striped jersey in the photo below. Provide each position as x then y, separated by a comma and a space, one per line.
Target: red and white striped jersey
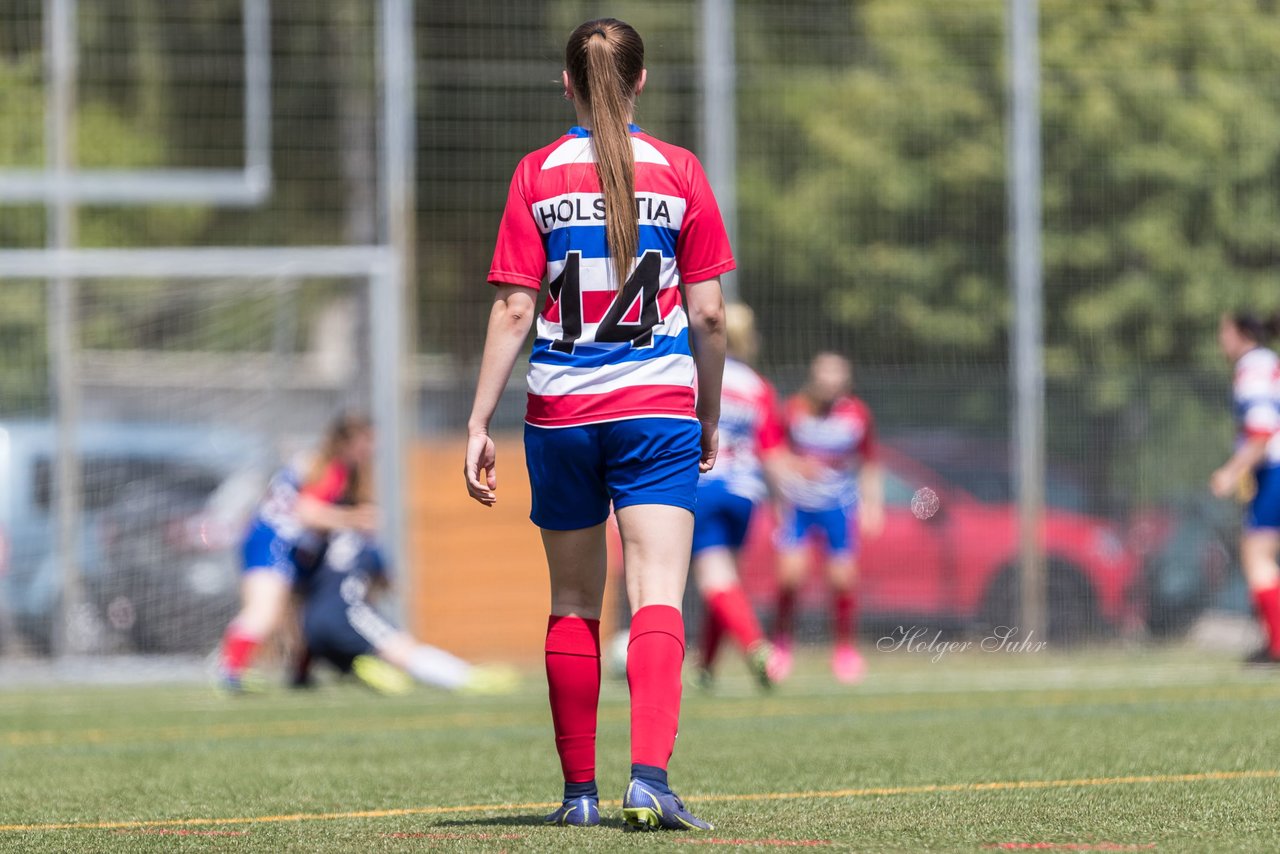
750, 427
1256, 393
608, 350
829, 447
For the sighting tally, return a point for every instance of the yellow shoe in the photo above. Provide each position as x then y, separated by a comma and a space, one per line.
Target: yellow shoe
490, 680
380, 676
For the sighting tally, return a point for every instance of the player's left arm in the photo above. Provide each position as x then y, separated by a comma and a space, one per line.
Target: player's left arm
870, 483
1253, 387
1226, 480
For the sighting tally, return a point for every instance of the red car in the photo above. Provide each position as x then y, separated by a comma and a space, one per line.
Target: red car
958, 568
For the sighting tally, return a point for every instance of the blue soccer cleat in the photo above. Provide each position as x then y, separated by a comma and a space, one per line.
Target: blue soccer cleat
645, 808
576, 812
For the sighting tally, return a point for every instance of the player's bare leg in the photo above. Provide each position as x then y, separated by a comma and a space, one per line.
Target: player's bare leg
715, 571
846, 662
656, 541
793, 566
577, 561
265, 597
1258, 551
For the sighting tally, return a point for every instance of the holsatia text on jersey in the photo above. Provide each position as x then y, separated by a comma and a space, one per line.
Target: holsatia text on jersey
583, 209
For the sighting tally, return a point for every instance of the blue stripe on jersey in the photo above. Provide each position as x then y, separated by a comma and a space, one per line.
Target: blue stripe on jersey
590, 241
596, 355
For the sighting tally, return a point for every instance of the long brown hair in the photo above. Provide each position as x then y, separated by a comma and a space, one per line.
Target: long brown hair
604, 59
341, 430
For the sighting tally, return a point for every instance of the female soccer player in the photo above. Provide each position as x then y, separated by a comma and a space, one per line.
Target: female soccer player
614, 221
334, 493
750, 434
1255, 465
829, 432
341, 626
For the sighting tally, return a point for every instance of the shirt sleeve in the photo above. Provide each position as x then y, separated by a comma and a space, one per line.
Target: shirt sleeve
520, 257
869, 447
770, 433
702, 250
1255, 397
330, 486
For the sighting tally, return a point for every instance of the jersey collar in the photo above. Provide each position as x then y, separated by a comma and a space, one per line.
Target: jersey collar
577, 130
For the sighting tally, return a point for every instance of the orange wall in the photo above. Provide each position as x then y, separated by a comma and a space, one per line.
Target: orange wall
479, 578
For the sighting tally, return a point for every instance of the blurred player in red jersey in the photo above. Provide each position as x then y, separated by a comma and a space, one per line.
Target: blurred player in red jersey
304, 502
750, 436
1253, 472
833, 489
622, 229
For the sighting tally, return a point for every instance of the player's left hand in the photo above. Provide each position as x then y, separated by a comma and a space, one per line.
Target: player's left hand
1223, 483
481, 455
710, 447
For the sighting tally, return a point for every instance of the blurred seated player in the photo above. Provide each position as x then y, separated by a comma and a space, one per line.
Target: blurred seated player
303, 503
341, 626
1252, 474
832, 488
750, 434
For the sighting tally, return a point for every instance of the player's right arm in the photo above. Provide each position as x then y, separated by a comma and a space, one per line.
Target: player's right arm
519, 266
509, 323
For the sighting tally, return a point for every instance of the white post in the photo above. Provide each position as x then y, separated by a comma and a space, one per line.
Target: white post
1026, 273
390, 306
719, 118
60, 142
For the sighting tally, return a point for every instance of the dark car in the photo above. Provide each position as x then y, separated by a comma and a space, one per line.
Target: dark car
169, 579
958, 567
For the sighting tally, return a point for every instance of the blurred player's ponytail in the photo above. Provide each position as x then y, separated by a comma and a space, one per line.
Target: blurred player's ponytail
344, 427
604, 59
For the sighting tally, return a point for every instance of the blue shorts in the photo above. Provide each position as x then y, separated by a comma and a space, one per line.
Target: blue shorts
265, 550
722, 518
574, 472
1263, 511
837, 526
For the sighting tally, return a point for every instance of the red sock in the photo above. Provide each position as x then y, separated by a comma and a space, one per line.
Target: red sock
785, 612
844, 616
654, 657
1267, 601
733, 611
712, 634
238, 648
573, 682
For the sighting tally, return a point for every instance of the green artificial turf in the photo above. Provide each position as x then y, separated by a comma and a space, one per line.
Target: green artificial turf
886, 766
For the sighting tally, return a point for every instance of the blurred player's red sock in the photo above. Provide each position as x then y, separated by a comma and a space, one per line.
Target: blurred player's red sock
712, 635
785, 613
573, 680
654, 658
238, 648
734, 612
1267, 601
844, 616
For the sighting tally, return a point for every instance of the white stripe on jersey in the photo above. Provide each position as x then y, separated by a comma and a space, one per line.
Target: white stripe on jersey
549, 379
578, 149
575, 209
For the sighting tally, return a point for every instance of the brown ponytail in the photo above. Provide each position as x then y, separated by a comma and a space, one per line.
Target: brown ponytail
604, 59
